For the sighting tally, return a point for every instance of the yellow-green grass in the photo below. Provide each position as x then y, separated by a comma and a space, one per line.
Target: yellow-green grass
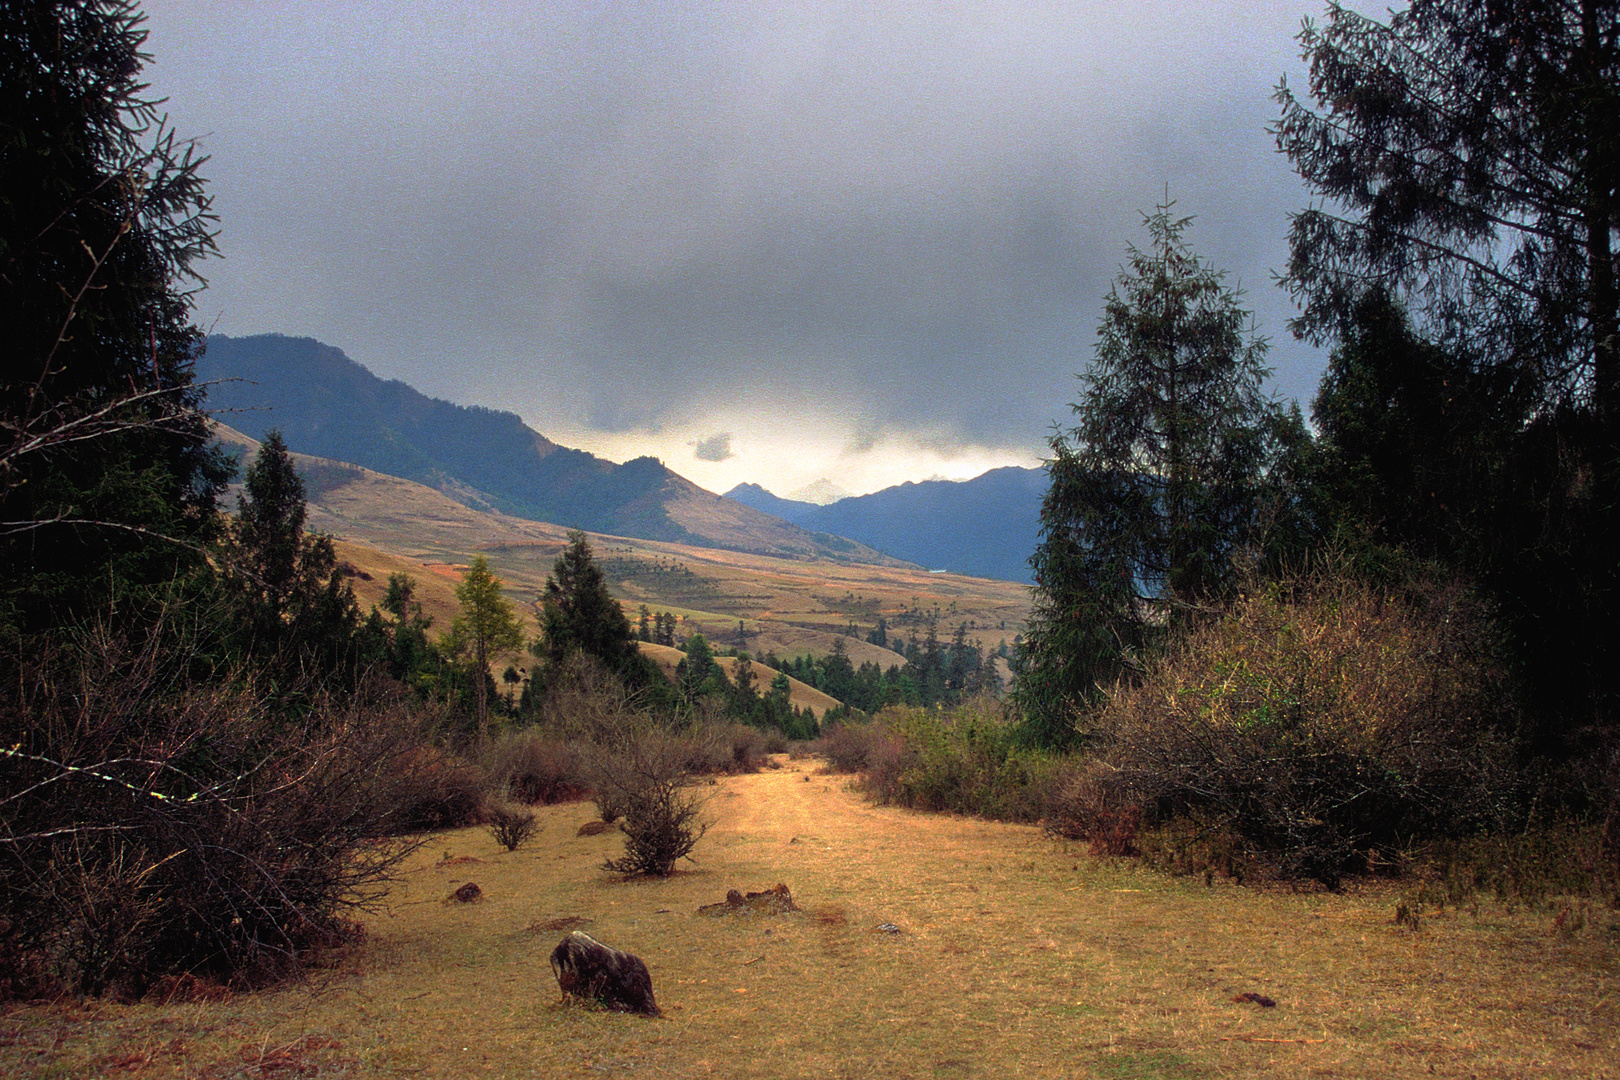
1016, 956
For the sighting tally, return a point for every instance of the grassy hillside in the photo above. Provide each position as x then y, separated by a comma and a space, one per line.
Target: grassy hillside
787, 606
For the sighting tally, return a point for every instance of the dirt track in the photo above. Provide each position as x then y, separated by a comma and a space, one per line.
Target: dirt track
1015, 956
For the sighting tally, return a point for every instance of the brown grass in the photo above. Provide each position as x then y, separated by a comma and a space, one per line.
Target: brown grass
1017, 956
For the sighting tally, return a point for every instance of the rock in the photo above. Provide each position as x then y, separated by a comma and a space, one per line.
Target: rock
1259, 999
469, 893
587, 969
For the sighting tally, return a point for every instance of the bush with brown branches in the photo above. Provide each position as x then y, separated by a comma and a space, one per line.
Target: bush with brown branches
1322, 721
150, 828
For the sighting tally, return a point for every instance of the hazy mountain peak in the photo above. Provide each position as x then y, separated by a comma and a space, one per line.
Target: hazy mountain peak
823, 492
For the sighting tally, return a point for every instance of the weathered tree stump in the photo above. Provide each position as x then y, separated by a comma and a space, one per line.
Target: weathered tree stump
773, 901
586, 968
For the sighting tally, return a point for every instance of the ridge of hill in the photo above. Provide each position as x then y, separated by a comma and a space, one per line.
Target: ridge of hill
327, 405
985, 527
757, 602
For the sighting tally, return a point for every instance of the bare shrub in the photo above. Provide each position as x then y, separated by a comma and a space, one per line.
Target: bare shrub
848, 747
585, 703
436, 789
149, 829
1085, 805
510, 826
535, 769
647, 779
1322, 722
747, 746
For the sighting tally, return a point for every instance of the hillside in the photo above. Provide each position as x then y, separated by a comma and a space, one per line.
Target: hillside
328, 406
760, 603
986, 527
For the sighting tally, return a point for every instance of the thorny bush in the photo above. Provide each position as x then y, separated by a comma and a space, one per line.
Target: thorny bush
150, 828
1323, 722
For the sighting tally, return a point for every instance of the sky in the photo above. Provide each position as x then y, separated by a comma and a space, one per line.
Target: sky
775, 241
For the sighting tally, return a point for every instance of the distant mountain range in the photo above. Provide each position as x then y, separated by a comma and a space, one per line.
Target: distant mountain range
985, 527
326, 405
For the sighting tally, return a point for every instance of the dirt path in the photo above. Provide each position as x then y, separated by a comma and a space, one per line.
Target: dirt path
1015, 956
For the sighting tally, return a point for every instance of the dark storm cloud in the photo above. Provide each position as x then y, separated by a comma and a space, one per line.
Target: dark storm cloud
881, 218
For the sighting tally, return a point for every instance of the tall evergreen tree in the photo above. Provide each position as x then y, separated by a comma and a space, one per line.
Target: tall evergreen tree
1160, 484
295, 608
106, 477
578, 614
1466, 158
485, 628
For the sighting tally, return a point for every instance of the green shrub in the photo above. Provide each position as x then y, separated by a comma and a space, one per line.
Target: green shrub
967, 760
1322, 724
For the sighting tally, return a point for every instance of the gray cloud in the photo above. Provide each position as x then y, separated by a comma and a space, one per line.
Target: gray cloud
716, 447
889, 219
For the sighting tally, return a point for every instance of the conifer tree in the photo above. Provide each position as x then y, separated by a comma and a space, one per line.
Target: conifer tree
1158, 486
107, 481
485, 628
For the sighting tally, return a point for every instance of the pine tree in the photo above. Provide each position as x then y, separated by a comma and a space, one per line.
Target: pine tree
1159, 486
579, 614
107, 481
1464, 160
295, 610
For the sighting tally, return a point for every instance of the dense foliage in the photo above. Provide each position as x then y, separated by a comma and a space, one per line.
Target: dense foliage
1160, 489
107, 484
1462, 256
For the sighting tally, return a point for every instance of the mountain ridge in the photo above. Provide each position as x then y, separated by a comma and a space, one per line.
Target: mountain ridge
328, 405
988, 526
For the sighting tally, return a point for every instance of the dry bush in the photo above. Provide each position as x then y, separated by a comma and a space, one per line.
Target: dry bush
437, 790
1085, 804
1323, 722
511, 827
151, 829
539, 770
645, 778
585, 703
848, 747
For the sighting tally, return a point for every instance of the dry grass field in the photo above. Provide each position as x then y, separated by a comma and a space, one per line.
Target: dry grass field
1014, 956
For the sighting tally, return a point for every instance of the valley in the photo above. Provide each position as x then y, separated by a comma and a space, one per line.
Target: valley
759, 603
